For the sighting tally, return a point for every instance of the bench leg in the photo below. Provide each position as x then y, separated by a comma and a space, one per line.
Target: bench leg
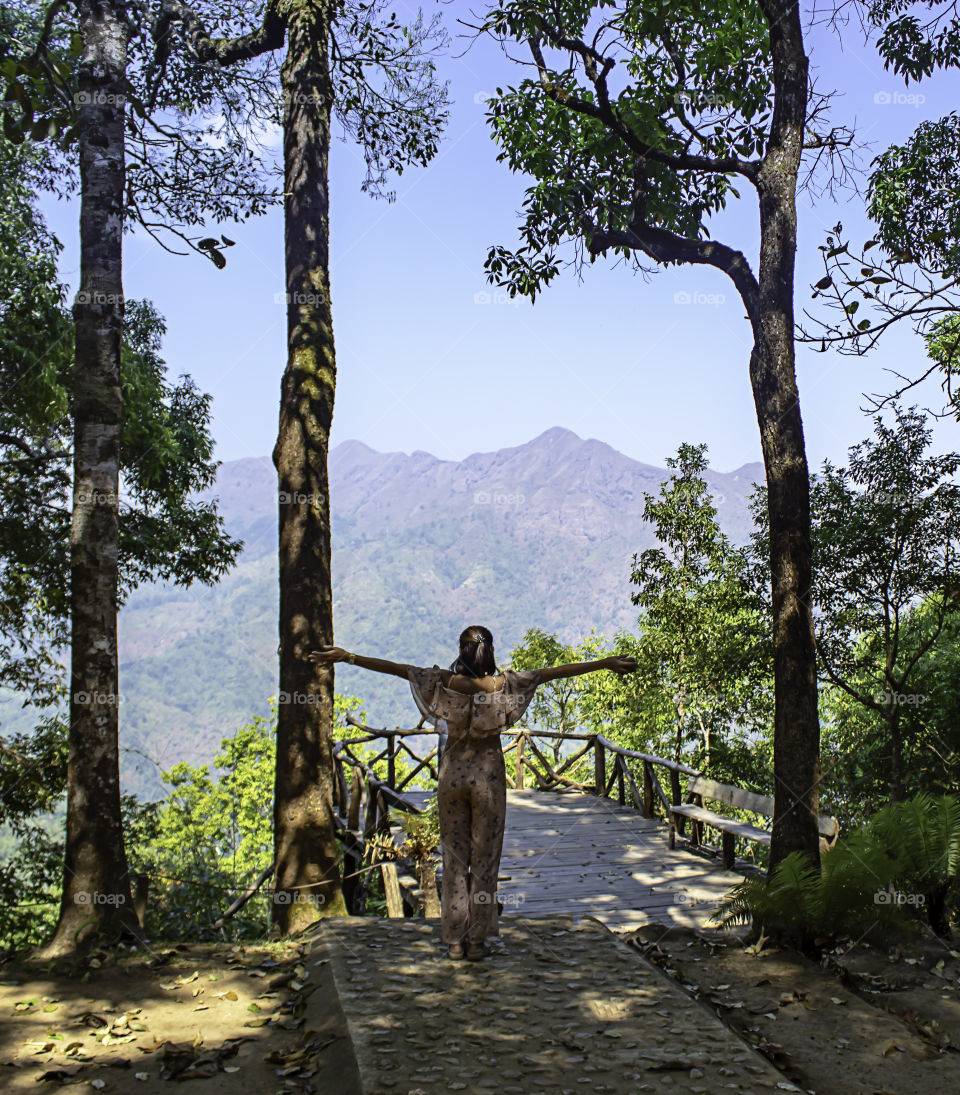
697, 834
729, 849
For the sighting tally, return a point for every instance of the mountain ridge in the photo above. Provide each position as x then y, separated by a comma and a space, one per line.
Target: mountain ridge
539, 534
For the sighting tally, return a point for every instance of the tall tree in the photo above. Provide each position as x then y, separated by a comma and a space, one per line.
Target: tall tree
705, 94
164, 457
84, 109
709, 642
95, 866
886, 536
351, 61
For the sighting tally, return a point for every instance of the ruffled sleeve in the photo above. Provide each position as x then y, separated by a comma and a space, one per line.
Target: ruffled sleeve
425, 685
518, 689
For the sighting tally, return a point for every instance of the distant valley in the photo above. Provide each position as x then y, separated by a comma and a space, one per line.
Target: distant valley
540, 535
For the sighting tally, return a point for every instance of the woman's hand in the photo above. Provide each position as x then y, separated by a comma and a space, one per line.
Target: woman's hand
623, 665
327, 654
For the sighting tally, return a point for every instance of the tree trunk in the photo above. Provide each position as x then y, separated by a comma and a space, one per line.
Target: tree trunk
796, 760
97, 901
304, 841
897, 789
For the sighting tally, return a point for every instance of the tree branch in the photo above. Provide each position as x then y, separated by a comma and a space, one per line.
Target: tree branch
666, 247
607, 114
224, 51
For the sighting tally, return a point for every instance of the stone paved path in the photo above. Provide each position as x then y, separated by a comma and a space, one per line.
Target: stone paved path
562, 1008
586, 856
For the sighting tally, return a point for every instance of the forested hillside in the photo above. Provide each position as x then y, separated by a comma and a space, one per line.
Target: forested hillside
540, 535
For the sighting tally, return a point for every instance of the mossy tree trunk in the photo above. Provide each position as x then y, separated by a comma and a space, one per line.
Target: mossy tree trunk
97, 901
308, 875
796, 738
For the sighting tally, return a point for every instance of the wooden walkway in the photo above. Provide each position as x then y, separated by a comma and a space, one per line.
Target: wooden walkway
579, 855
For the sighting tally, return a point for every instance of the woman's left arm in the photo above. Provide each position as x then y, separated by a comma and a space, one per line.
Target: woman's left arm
577, 669
329, 654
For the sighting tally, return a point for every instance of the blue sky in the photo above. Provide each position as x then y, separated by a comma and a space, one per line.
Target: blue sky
430, 357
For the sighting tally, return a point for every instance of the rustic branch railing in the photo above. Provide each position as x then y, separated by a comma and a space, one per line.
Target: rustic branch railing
375, 796
630, 777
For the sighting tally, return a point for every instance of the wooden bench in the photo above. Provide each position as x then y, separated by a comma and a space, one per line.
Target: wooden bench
700, 788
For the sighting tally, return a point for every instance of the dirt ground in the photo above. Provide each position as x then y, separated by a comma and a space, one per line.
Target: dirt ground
264, 1019
862, 1021
229, 1019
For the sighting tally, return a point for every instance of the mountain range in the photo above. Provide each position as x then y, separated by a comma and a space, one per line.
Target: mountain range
537, 535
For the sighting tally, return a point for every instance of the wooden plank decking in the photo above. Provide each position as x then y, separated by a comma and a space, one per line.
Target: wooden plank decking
572, 854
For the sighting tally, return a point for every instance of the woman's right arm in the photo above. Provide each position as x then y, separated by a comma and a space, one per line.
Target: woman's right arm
557, 672
329, 654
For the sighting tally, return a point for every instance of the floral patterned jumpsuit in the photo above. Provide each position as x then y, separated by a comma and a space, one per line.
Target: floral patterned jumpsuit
471, 794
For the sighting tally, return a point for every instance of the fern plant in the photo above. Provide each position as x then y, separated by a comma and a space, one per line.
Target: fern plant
900, 865
925, 833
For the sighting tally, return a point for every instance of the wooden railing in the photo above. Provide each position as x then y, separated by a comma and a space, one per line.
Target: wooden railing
367, 794
611, 768
614, 773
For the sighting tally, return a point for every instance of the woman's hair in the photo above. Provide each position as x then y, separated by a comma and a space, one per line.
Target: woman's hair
476, 654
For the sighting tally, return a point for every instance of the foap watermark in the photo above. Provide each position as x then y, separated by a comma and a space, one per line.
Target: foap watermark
99, 98
505, 700
483, 897
303, 98
300, 297
94, 296
486, 297
301, 498
699, 101
94, 897
497, 498
297, 897
98, 699
900, 699
96, 498
899, 98
714, 300
898, 897
897, 498
300, 699
481, 98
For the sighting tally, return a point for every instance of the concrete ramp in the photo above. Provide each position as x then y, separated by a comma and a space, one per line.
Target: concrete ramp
563, 1007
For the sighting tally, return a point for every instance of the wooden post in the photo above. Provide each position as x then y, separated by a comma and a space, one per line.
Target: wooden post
599, 768
729, 849
621, 790
356, 795
675, 796
392, 760
342, 783
140, 896
391, 890
518, 774
428, 884
647, 790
